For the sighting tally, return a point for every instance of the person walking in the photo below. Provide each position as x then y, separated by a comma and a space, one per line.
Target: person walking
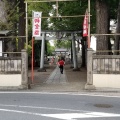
61, 64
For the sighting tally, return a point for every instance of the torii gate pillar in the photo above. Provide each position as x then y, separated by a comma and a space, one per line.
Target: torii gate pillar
74, 54
42, 69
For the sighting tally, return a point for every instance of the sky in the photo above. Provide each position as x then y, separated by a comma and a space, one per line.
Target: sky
51, 42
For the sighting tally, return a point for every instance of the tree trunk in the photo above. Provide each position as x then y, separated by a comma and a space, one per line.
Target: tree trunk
102, 25
3, 12
21, 28
9, 43
117, 38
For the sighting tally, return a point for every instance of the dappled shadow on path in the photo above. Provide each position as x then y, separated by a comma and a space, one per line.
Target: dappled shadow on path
76, 80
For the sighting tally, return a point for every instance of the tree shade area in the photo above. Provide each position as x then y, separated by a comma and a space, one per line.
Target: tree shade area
102, 12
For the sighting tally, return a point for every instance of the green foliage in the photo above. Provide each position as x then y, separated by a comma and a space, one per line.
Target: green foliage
50, 49
113, 6
41, 7
37, 48
63, 44
65, 9
69, 9
29, 50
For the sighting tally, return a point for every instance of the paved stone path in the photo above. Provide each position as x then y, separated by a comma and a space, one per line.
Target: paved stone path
54, 81
69, 81
56, 77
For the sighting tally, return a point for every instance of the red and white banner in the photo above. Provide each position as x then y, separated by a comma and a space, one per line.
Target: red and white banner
36, 24
85, 25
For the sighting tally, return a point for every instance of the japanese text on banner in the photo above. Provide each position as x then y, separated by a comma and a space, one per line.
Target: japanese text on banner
37, 24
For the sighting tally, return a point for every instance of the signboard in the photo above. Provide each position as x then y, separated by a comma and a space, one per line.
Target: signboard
1, 48
36, 24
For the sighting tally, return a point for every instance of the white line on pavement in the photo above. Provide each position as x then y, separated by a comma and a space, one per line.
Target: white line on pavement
65, 93
23, 112
47, 108
75, 116
67, 116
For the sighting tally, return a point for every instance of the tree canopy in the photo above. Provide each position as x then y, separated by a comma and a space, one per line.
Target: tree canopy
11, 17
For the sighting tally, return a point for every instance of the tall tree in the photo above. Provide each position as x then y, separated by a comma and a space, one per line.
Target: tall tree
8, 19
117, 38
21, 25
2, 15
102, 24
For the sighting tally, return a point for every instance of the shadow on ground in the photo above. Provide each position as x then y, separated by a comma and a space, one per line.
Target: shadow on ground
75, 82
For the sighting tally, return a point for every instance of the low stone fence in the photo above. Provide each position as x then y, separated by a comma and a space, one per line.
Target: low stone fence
14, 71
103, 71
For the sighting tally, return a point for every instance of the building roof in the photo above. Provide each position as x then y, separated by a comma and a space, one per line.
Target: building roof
61, 50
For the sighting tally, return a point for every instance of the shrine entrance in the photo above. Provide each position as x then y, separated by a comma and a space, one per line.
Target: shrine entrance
74, 77
74, 36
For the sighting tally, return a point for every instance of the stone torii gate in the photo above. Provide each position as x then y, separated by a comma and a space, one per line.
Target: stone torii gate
60, 52
58, 35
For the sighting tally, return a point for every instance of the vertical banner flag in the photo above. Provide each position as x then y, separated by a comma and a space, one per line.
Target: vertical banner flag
36, 24
85, 25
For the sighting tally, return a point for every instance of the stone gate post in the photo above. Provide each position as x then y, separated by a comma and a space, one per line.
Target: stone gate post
89, 84
24, 72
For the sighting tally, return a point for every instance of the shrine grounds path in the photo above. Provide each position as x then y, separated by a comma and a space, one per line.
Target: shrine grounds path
53, 81
70, 81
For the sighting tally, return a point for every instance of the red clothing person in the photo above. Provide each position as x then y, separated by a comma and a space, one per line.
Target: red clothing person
61, 63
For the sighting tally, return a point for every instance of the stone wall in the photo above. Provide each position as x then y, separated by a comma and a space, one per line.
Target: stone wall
103, 71
106, 64
14, 71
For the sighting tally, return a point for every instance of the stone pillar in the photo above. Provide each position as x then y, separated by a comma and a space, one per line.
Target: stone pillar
55, 58
74, 53
89, 84
65, 56
42, 69
24, 57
